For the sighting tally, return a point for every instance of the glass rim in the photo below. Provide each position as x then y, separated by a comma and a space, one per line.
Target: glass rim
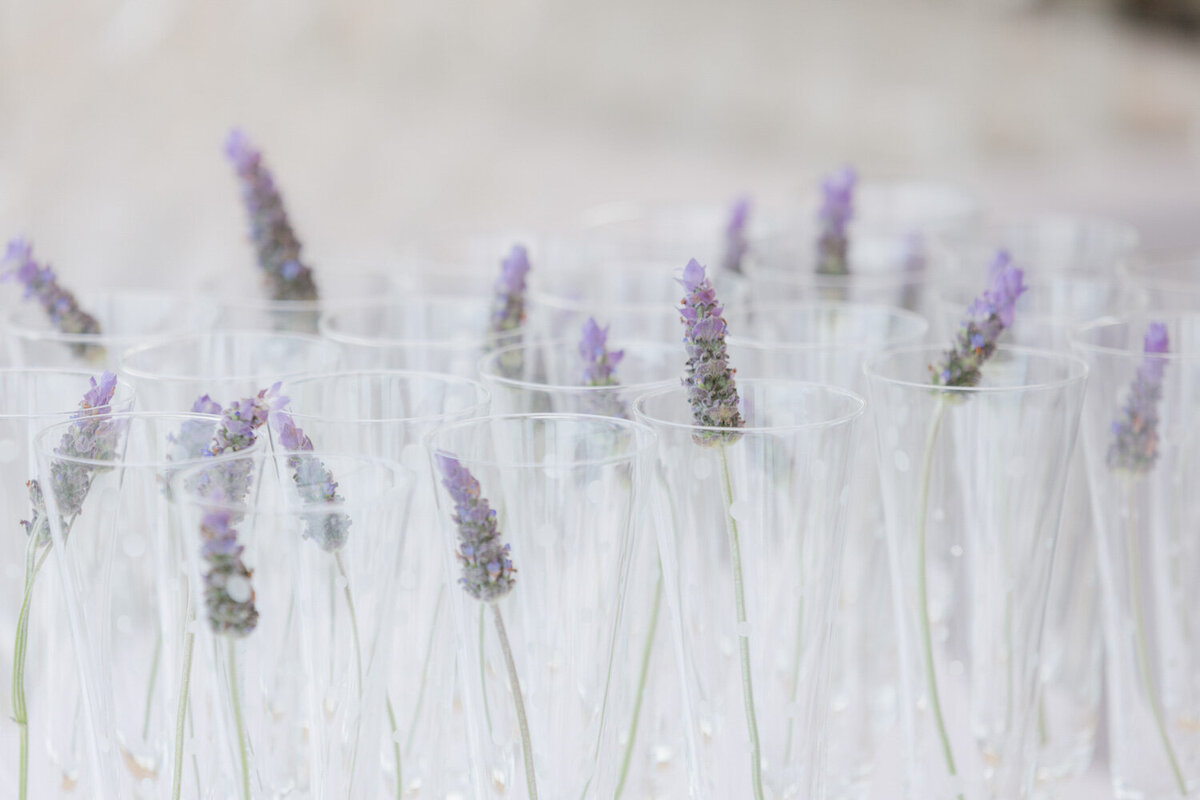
141, 372
918, 325
829, 389
896, 276
13, 320
1078, 374
403, 479
208, 289
482, 395
1113, 321
436, 300
1140, 270
123, 386
41, 440
643, 435
565, 388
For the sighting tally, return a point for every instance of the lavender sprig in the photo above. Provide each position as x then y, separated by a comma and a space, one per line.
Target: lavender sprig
736, 243
712, 392
508, 306
60, 305
228, 591
835, 213
285, 275
194, 435
1135, 432
315, 484
988, 317
599, 367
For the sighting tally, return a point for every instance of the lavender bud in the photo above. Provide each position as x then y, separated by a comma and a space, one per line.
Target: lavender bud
736, 243
1135, 431
712, 392
228, 592
988, 317
60, 305
285, 275
487, 569
837, 209
315, 484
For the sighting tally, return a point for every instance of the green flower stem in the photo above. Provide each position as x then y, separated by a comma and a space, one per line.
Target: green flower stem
739, 597
243, 750
518, 700
1139, 626
391, 712
33, 565
158, 643
185, 682
643, 672
341, 568
935, 702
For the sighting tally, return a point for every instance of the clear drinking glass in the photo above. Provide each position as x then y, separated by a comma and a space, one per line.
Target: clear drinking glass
239, 309
1143, 456
293, 701
547, 668
1168, 283
50, 732
973, 481
126, 318
386, 414
750, 527
226, 365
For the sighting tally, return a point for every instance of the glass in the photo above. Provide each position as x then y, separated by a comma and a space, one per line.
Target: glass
239, 309
973, 481
1169, 283
750, 527
547, 668
226, 365
1139, 435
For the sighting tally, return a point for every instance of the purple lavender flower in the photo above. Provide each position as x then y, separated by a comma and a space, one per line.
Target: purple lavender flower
508, 307
60, 305
711, 389
237, 431
315, 484
195, 435
1135, 433
285, 275
487, 569
987, 318
228, 592
837, 209
598, 362
736, 243
94, 436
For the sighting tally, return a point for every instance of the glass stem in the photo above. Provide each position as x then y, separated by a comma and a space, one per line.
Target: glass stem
391, 712
158, 642
1139, 627
518, 700
643, 672
931, 686
33, 565
743, 637
243, 752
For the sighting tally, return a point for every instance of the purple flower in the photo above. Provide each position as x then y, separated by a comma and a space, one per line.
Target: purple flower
60, 305
228, 592
315, 484
195, 435
236, 432
736, 243
837, 209
93, 435
487, 569
711, 389
987, 318
598, 362
508, 307
285, 275
1135, 431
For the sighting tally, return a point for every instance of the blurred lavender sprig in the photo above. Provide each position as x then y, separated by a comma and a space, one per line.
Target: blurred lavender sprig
834, 215
228, 591
987, 318
42, 284
508, 306
278, 250
736, 242
1135, 432
315, 484
599, 367
194, 435
711, 389
487, 570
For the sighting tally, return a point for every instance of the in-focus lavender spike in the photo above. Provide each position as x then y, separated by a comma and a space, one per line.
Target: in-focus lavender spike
487, 570
711, 389
988, 317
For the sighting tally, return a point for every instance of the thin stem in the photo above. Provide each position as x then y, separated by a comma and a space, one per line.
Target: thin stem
337, 557
150, 684
739, 598
185, 681
647, 649
935, 702
33, 565
395, 748
487, 712
243, 754
1139, 627
412, 725
518, 700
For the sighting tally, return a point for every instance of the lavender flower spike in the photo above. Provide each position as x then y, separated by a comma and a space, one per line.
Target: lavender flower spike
41, 283
736, 244
711, 389
228, 593
508, 308
285, 275
987, 318
1135, 432
236, 432
315, 484
837, 209
487, 569
599, 362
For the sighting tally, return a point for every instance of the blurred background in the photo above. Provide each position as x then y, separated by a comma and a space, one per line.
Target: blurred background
389, 123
